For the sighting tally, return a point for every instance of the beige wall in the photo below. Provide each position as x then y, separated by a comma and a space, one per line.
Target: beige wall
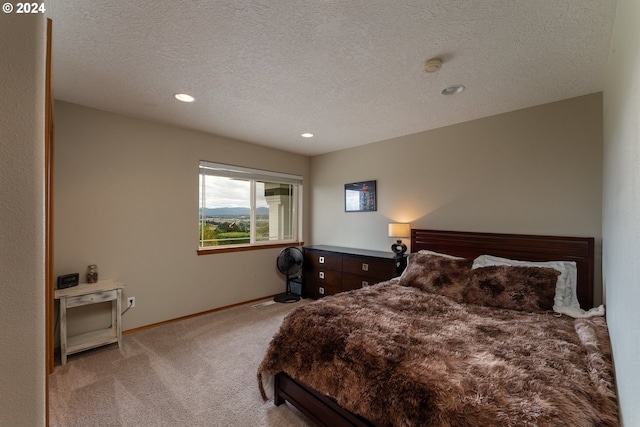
535, 171
22, 349
621, 204
127, 200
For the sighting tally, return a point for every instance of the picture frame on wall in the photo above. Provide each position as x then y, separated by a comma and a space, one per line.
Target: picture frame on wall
360, 196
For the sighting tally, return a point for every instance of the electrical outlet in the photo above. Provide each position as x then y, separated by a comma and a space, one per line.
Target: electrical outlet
131, 302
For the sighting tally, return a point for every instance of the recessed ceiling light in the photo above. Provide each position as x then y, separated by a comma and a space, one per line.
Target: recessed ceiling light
452, 90
184, 97
307, 135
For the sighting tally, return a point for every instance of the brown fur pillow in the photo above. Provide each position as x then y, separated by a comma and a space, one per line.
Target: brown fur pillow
437, 274
515, 288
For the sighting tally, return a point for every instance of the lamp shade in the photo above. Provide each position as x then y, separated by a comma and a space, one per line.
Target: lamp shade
399, 230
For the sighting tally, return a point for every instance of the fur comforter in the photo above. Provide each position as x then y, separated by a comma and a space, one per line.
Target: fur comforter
401, 356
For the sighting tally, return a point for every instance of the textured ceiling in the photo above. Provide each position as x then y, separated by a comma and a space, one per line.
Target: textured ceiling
348, 71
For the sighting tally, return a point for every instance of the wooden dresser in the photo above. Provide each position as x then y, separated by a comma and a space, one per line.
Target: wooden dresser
328, 270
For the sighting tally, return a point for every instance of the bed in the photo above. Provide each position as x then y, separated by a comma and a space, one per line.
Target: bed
460, 339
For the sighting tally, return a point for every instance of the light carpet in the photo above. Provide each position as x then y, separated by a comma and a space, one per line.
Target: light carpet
196, 372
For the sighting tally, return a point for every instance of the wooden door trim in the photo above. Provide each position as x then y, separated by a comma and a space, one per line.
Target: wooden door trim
49, 280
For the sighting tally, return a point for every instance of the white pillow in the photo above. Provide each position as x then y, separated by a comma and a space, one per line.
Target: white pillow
566, 294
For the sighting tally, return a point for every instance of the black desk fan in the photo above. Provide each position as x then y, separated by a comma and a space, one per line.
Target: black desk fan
289, 262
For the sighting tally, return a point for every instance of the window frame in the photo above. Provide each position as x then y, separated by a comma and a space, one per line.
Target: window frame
253, 176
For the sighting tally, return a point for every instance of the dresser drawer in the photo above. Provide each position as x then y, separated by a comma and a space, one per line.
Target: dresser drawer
323, 275
322, 260
354, 281
381, 269
96, 297
317, 290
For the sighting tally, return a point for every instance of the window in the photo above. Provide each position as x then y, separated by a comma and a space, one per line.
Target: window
241, 207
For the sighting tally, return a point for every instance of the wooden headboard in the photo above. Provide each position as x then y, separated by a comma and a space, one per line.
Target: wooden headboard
516, 246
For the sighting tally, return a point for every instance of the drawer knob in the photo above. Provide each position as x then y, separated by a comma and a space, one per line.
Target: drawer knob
365, 283
321, 260
365, 267
321, 290
321, 274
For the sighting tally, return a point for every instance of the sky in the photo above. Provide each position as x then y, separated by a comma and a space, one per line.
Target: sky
229, 193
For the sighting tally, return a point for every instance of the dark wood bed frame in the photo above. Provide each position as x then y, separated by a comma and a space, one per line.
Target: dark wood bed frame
324, 411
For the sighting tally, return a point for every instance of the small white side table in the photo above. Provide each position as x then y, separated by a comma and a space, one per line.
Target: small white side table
84, 294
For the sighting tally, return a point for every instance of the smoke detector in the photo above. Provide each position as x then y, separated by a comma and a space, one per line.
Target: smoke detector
432, 65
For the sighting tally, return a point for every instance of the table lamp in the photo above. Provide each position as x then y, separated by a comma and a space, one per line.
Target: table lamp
398, 230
